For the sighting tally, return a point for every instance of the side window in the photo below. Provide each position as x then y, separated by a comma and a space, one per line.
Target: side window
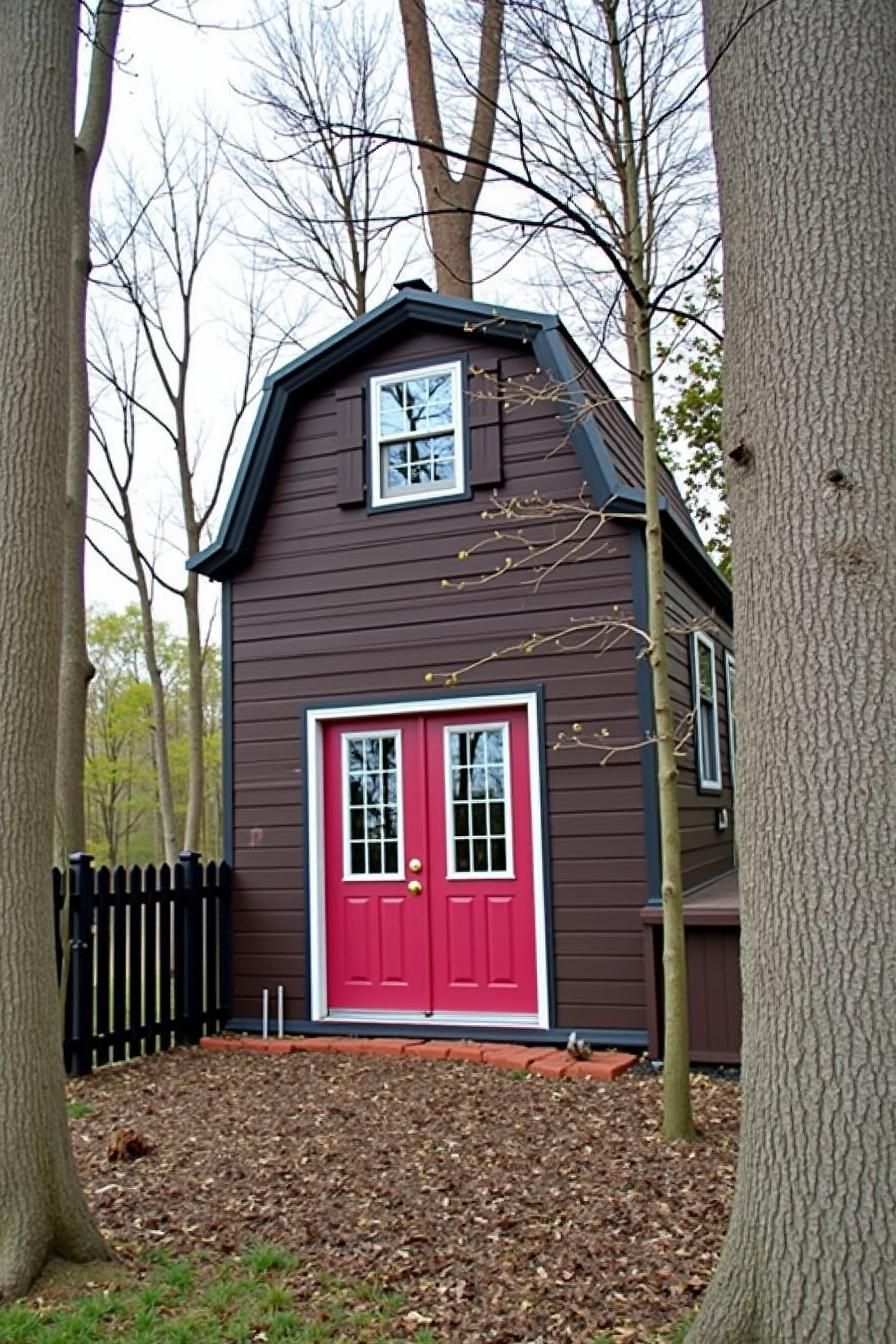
416, 439
732, 726
706, 712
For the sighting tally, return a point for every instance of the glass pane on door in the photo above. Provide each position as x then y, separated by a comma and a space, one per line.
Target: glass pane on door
372, 840
479, 835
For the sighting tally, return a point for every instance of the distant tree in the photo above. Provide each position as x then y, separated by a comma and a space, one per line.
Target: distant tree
124, 813
452, 182
804, 126
75, 670
120, 772
42, 1209
114, 481
325, 204
156, 252
691, 429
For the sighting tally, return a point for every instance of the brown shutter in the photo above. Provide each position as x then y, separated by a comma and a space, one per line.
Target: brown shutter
349, 446
484, 410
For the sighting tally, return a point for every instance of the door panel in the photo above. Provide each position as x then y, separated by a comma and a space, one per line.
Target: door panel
481, 890
375, 927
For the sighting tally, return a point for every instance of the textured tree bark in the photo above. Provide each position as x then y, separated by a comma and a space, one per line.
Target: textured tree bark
75, 670
804, 125
451, 201
42, 1210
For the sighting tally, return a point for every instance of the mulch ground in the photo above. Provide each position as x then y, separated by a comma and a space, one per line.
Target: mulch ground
503, 1208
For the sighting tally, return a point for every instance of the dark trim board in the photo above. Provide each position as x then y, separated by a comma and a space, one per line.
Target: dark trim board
631, 1040
646, 722
227, 715
227, 935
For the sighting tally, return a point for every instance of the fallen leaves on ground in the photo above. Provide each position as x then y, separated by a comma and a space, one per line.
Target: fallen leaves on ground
504, 1209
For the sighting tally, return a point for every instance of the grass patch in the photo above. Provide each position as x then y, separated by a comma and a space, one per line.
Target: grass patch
78, 1109
240, 1301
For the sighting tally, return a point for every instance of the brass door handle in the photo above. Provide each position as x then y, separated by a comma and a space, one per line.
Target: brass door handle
415, 888
415, 865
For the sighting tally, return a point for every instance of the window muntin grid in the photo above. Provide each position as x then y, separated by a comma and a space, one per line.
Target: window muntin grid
480, 837
372, 822
417, 434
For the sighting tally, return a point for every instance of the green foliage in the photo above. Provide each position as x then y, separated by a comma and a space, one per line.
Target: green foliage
183, 1302
78, 1109
691, 427
121, 787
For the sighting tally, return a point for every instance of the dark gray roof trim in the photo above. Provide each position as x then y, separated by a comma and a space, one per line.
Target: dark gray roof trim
549, 343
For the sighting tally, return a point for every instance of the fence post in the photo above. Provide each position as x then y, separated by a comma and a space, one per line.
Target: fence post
80, 980
192, 914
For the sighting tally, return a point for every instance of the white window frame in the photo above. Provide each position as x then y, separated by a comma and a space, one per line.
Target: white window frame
729, 702
507, 872
711, 782
359, 736
379, 496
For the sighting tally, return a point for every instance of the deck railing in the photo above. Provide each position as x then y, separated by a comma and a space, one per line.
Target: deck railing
144, 955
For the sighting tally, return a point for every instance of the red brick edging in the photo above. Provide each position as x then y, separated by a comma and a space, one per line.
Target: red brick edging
604, 1065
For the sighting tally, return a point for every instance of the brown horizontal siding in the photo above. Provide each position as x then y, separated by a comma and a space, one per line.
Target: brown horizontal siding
336, 604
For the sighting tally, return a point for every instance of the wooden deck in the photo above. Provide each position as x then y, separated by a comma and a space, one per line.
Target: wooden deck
712, 930
716, 902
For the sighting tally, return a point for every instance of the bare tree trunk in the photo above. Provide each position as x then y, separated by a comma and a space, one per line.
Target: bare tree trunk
678, 1120
75, 670
804, 125
630, 323
451, 201
42, 1209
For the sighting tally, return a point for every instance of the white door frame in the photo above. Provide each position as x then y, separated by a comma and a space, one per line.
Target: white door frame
314, 849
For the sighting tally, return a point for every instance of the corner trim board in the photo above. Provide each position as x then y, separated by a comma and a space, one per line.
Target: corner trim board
644, 691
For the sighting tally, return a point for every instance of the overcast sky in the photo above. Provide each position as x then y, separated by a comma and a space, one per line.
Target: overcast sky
187, 68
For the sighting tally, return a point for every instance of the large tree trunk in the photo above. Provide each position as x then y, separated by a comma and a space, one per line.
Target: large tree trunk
42, 1210
451, 201
75, 669
804, 124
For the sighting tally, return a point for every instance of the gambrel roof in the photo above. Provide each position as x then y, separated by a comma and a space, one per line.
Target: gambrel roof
606, 441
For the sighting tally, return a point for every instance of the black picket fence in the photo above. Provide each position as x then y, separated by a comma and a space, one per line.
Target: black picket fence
145, 957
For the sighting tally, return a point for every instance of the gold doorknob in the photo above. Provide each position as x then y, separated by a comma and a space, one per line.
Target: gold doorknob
415, 865
415, 888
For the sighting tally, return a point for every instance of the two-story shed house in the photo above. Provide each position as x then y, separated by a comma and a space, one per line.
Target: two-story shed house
421, 859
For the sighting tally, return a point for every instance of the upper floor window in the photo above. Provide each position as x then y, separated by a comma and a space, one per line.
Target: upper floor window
417, 436
706, 712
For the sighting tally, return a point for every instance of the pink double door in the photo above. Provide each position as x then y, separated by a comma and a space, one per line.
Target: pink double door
429, 888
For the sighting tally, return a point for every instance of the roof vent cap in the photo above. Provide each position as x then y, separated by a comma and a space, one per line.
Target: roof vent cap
414, 284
